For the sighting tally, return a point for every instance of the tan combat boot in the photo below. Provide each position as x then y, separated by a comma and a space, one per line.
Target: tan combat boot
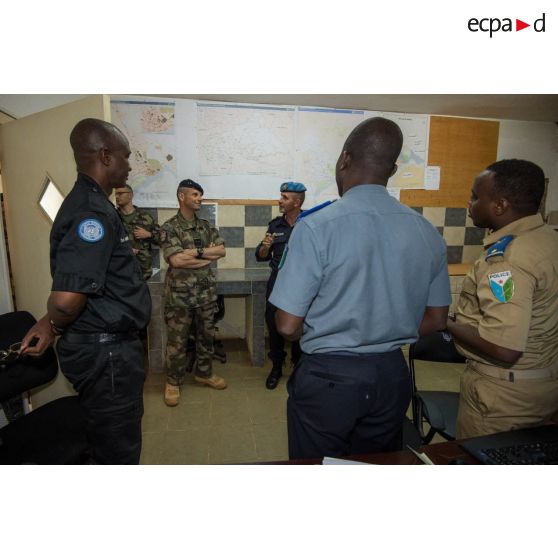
172, 395
214, 381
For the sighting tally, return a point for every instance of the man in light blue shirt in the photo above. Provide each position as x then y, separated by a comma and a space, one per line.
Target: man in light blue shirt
362, 277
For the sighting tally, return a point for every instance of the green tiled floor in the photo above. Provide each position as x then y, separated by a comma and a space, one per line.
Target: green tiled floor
244, 423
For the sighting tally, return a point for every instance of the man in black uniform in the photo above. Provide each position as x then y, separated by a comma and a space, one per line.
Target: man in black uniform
98, 299
271, 249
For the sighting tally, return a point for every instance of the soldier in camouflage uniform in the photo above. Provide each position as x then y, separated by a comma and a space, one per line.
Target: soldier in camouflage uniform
142, 229
189, 246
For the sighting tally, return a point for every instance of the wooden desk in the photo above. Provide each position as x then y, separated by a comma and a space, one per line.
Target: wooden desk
459, 269
440, 454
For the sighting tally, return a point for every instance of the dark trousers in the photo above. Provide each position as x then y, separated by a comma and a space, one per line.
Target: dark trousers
277, 352
109, 379
347, 405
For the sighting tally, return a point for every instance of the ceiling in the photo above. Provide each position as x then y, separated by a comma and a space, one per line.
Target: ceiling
507, 107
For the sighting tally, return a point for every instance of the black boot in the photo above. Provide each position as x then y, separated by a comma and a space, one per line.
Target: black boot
219, 351
274, 376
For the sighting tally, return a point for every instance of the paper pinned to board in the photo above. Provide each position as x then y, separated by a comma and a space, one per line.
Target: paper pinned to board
394, 193
432, 178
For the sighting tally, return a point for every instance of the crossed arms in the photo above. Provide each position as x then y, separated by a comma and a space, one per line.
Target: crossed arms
188, 258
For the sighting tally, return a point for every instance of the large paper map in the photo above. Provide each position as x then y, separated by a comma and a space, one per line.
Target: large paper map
239, 151
245, 140
412, 161
321, 134
150, 129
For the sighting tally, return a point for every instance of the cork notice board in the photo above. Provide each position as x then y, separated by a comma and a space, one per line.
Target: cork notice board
462, 148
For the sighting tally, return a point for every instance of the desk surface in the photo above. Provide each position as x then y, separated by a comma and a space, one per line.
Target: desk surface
262, 274
226, 275
459, 269
440, 454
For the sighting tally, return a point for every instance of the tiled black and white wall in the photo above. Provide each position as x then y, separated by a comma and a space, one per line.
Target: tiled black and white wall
243, 228
463, 239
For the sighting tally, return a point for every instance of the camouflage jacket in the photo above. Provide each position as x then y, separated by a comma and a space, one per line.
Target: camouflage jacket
188, 288
140, 218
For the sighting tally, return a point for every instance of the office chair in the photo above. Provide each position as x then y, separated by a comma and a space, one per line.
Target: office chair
437, 409
53, 434
410, 436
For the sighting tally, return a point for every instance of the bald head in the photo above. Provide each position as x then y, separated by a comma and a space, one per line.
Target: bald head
90, 136
369, 154
102, 152
376, 142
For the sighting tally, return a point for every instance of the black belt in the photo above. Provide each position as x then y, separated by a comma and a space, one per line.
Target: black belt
99, 337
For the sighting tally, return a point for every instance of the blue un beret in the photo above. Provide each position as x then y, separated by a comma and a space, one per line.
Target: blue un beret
293, 187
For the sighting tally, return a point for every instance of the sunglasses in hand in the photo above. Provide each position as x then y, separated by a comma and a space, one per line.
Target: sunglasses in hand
10, 354
13, 352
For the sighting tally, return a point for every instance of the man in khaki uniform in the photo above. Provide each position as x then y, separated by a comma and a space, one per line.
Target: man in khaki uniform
189, 246
507, 316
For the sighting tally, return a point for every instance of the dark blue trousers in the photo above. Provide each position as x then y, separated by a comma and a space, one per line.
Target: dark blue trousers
277, 352
346, 405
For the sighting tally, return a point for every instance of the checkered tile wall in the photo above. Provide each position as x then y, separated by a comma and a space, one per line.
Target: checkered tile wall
243, 227
463, 239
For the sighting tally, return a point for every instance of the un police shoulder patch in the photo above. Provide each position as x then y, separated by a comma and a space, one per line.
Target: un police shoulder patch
91, 230
501, 285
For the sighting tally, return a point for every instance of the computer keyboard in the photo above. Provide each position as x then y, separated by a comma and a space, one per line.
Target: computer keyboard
536, 453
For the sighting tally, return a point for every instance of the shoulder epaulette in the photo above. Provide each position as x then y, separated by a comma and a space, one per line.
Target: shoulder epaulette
499, 247
307, 212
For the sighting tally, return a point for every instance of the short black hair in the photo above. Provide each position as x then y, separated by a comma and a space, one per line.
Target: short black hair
127, 186
90, 135
188, 183
520, 182
300, 195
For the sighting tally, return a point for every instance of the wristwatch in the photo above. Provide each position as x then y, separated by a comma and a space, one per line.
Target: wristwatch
200, 252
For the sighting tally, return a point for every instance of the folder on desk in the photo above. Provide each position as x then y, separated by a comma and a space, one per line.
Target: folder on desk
339, 461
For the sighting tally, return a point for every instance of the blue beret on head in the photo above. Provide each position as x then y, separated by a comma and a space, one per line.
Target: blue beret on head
293, 187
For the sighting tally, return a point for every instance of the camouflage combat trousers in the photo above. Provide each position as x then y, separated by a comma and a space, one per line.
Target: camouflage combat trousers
180, 322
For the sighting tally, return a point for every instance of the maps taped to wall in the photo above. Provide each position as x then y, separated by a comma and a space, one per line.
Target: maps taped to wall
245, 151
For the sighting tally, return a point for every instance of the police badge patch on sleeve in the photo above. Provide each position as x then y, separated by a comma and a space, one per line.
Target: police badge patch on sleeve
501, 285
91, 230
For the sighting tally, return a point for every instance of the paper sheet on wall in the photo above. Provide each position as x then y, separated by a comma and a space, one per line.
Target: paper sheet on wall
432, 178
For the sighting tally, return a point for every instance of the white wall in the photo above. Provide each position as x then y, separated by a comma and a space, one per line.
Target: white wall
536, 142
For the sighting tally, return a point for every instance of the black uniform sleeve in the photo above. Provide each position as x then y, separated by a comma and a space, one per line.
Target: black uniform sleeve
83, 255
268, 257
